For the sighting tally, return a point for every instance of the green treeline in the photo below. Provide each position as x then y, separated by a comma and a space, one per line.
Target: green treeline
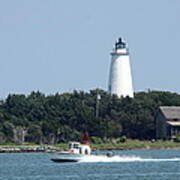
60, 118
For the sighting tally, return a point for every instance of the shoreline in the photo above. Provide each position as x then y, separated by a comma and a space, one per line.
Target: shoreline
133, 145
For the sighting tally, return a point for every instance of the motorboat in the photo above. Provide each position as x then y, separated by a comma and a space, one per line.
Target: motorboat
76, 152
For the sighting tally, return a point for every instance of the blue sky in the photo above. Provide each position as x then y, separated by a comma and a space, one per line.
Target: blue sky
61, 45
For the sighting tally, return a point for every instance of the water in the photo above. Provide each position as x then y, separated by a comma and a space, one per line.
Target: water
126, 165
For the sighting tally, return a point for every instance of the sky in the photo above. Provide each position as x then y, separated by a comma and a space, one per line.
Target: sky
64, 45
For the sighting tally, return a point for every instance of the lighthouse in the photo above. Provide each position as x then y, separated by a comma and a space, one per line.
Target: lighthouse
120, 79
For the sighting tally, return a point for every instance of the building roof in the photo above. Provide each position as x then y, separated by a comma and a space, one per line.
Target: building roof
174, 123
171, 112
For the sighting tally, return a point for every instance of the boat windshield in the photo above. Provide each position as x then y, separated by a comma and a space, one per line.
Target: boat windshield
74, 146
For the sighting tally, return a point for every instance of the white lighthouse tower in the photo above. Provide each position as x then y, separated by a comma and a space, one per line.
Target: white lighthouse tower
120, 79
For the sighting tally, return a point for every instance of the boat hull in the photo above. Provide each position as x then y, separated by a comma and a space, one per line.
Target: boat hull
63, 157
59, 160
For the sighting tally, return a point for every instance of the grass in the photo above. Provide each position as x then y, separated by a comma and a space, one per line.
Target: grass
129, 144
136, 144
10, 144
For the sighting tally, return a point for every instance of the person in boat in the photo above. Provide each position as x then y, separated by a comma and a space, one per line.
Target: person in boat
110, 154
86, 139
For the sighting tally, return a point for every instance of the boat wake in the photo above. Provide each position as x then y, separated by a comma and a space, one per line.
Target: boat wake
102, 158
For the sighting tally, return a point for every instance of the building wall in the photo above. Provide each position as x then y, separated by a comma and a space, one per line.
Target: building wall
161, 127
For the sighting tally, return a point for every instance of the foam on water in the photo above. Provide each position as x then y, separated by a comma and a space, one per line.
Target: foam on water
102, 158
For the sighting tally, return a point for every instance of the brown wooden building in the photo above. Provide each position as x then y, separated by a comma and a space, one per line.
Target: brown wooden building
168, 122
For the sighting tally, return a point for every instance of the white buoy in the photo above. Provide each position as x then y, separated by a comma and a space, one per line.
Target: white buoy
120, 79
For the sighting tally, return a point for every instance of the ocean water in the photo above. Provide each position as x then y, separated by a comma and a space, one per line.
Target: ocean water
125, 165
